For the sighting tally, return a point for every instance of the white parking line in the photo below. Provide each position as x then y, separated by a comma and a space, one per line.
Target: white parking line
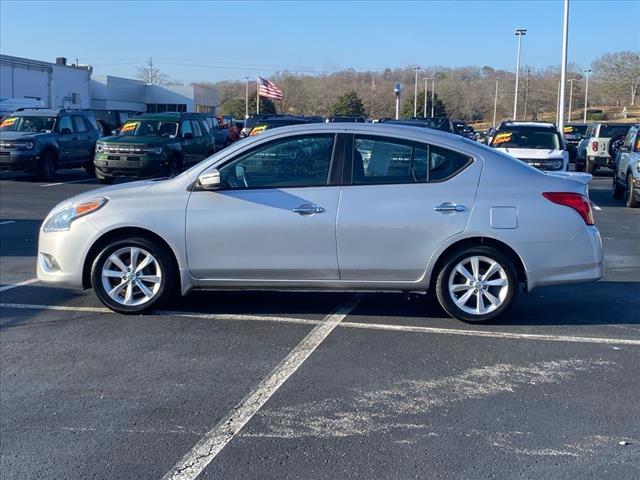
362, 326
596, 207
19, 284
197, 459
7, 222
65, 183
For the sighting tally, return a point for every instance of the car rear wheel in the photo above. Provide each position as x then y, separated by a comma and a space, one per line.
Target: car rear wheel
632, 201
133, 275
616, 190
46, 167
477, 284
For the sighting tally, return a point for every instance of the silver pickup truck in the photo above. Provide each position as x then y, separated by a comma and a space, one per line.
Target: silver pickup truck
600, 145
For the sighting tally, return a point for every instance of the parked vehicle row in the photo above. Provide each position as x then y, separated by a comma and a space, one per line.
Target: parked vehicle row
600, 145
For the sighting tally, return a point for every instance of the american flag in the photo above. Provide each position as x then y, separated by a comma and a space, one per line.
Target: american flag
269, 89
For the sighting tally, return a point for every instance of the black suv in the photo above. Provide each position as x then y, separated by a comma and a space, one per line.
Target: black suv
153, 145
41, 140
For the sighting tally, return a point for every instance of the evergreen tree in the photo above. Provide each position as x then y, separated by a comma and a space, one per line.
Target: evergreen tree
348, 105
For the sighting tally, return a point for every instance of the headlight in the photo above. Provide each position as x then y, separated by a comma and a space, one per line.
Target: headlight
25, 145
60, 220
99, 147
155, 151
638, 166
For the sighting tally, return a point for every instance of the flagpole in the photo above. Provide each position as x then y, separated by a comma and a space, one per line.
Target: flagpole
257, 94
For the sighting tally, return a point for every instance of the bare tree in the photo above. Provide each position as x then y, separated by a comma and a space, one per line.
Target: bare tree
620, 72
151, 75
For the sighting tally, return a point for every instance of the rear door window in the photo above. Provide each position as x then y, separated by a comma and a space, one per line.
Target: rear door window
80, 125
379, 160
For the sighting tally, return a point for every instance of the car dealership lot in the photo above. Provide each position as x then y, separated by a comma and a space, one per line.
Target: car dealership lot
373, 386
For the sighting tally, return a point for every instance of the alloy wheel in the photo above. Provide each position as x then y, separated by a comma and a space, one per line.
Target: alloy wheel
478, 285
131, 276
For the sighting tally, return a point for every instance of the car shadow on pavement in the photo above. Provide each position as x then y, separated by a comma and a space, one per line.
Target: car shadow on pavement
19, 237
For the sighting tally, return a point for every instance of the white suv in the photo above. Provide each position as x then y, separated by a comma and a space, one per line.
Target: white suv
626, 177
537, 143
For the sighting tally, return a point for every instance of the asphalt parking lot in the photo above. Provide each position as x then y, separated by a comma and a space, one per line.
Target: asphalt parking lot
316, 385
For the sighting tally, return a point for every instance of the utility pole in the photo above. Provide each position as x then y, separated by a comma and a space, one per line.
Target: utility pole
433, 96
571, 80
246, 97
495, 103
586, 95
415, 92
526, 94
563, 66
520, 32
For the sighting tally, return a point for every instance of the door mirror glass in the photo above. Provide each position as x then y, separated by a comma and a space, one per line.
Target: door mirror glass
187, 135
65, 131
210, 180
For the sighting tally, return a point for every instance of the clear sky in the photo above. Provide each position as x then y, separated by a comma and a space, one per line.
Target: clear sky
205, 40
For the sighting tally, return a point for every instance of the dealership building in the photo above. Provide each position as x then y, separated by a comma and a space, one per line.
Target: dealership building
59, 85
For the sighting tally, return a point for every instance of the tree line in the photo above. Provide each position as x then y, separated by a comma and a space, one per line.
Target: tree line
465, 92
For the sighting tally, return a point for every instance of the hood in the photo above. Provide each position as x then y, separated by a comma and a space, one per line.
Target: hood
131, 140
112, 192
20, 135
533, 153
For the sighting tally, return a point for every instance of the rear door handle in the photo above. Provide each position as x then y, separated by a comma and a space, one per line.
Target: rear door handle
449, 207
308, 209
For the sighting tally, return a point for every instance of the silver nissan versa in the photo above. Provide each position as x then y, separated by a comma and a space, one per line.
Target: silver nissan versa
332, 206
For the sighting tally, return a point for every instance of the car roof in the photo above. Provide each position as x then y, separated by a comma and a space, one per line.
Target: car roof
37, 112
528, 124
166, 116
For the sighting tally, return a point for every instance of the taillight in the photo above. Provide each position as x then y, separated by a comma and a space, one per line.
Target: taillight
578, 202
594, 146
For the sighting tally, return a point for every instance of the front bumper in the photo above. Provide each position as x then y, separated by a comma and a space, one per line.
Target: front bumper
142, 167
580, 259
19, 161
61, 255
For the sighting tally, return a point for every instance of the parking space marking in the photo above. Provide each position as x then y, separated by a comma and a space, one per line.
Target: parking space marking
66, 183
19, 284
356, 325
596, 207
197, 459
7, 222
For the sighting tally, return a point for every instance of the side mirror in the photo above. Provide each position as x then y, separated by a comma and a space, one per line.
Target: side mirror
210, 181
187, 135
65, 131
114, 132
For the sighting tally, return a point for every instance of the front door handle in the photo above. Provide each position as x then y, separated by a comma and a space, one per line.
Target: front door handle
449, 207
308, 209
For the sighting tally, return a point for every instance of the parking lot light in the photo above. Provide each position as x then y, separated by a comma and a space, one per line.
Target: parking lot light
586, 94
495, 103
415, 92
563, 66
520, 32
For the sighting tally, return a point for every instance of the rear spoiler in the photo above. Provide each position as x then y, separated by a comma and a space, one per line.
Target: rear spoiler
581, 177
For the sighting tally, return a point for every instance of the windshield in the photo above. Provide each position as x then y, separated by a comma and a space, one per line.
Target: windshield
610, 131
149, 128
575, 130
526, 138
28, 124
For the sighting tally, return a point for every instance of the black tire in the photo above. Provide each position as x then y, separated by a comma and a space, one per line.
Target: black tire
632, 201
616, 190
174, 167
46, 167
508, 270
90, 168
164, 261
590, 166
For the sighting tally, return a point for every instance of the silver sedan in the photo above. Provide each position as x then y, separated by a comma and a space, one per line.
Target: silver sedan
369, 207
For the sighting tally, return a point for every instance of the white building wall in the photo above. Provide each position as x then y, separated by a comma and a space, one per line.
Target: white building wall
54, 84
116, 93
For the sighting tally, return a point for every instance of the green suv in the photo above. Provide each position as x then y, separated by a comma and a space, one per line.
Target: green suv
153, 145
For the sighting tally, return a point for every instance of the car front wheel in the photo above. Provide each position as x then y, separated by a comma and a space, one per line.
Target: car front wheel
133, 275
477, 284
632, 200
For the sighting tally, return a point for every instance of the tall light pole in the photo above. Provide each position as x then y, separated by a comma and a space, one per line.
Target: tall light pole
586, 95
415, 92
520, 32
426, 81
433, 96
246, 97
397, 90
571, 80
563, 67
495, 103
